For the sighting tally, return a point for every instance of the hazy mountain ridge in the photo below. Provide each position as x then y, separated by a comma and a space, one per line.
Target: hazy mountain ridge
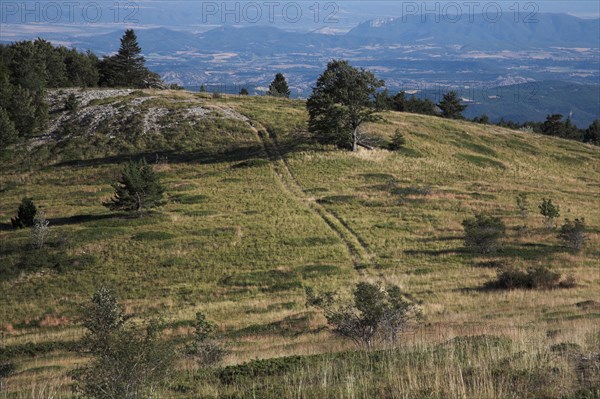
514, 32
408, 54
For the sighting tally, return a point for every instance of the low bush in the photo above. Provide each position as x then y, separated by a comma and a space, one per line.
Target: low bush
249, 371
205, 348
483, 233
71, 103
6, 369
537, 277
550, 212
377, 314
398, 141
573, 233
25, 214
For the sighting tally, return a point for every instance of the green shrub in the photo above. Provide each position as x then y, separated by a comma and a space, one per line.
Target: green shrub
573, 233
25, 214
523, 205
6, 369
376, 314
138, 189
31, 349
205, 348
537, 277
127, 362
398, 141
248, 372
550, 212
71, 103
483, 233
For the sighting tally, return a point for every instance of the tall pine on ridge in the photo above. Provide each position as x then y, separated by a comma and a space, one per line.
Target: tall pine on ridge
127, 67
279, 87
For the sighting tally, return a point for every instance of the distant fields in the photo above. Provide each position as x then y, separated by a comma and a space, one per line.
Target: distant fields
257, 211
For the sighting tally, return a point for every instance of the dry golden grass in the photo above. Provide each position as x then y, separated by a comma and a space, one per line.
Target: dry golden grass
230, 222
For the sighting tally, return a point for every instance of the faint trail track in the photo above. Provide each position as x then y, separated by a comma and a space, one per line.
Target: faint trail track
357, 248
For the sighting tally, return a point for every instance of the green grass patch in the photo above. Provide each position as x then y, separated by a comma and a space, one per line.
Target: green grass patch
483, 162
337, 199
189, 199
153, 236
315, 271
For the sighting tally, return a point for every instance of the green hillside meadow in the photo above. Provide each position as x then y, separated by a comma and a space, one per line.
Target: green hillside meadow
257, 211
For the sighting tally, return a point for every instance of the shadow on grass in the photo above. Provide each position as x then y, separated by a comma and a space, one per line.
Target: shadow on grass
442, 239
527, 251
236, 154
77, 219
437, 252
530, 251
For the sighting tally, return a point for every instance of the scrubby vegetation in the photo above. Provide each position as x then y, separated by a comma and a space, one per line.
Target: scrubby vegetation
255, 210
483, 232
127, 362
537, 277
376, 315
138, 189
550, 212
25, 214
574, 233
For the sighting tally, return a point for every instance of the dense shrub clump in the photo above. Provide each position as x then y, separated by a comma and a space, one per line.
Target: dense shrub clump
573, 233
205, 348
550, 212
25, 214
537, 277
376, 315
483, 232
127, 361
398, 141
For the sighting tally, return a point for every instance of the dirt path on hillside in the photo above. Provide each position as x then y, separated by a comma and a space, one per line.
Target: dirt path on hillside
357, 248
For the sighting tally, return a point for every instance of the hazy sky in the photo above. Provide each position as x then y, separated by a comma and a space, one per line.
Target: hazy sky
24, 19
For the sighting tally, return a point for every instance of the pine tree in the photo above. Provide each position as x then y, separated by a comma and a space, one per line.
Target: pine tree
50, 56
125, 360
126, 68
279, 87
451, 106
23, 112
592, 133
553, 125
139, 188
341, 101
25, 215
82, 69
399, 101
8, 133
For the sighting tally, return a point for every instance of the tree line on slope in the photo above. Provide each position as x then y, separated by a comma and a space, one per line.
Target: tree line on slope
28, 68
345, 97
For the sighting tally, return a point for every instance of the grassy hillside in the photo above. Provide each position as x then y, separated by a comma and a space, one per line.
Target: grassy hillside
256, 211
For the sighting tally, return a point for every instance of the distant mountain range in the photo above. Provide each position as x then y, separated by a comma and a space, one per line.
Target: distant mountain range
514, 32
549, 31
409, 53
